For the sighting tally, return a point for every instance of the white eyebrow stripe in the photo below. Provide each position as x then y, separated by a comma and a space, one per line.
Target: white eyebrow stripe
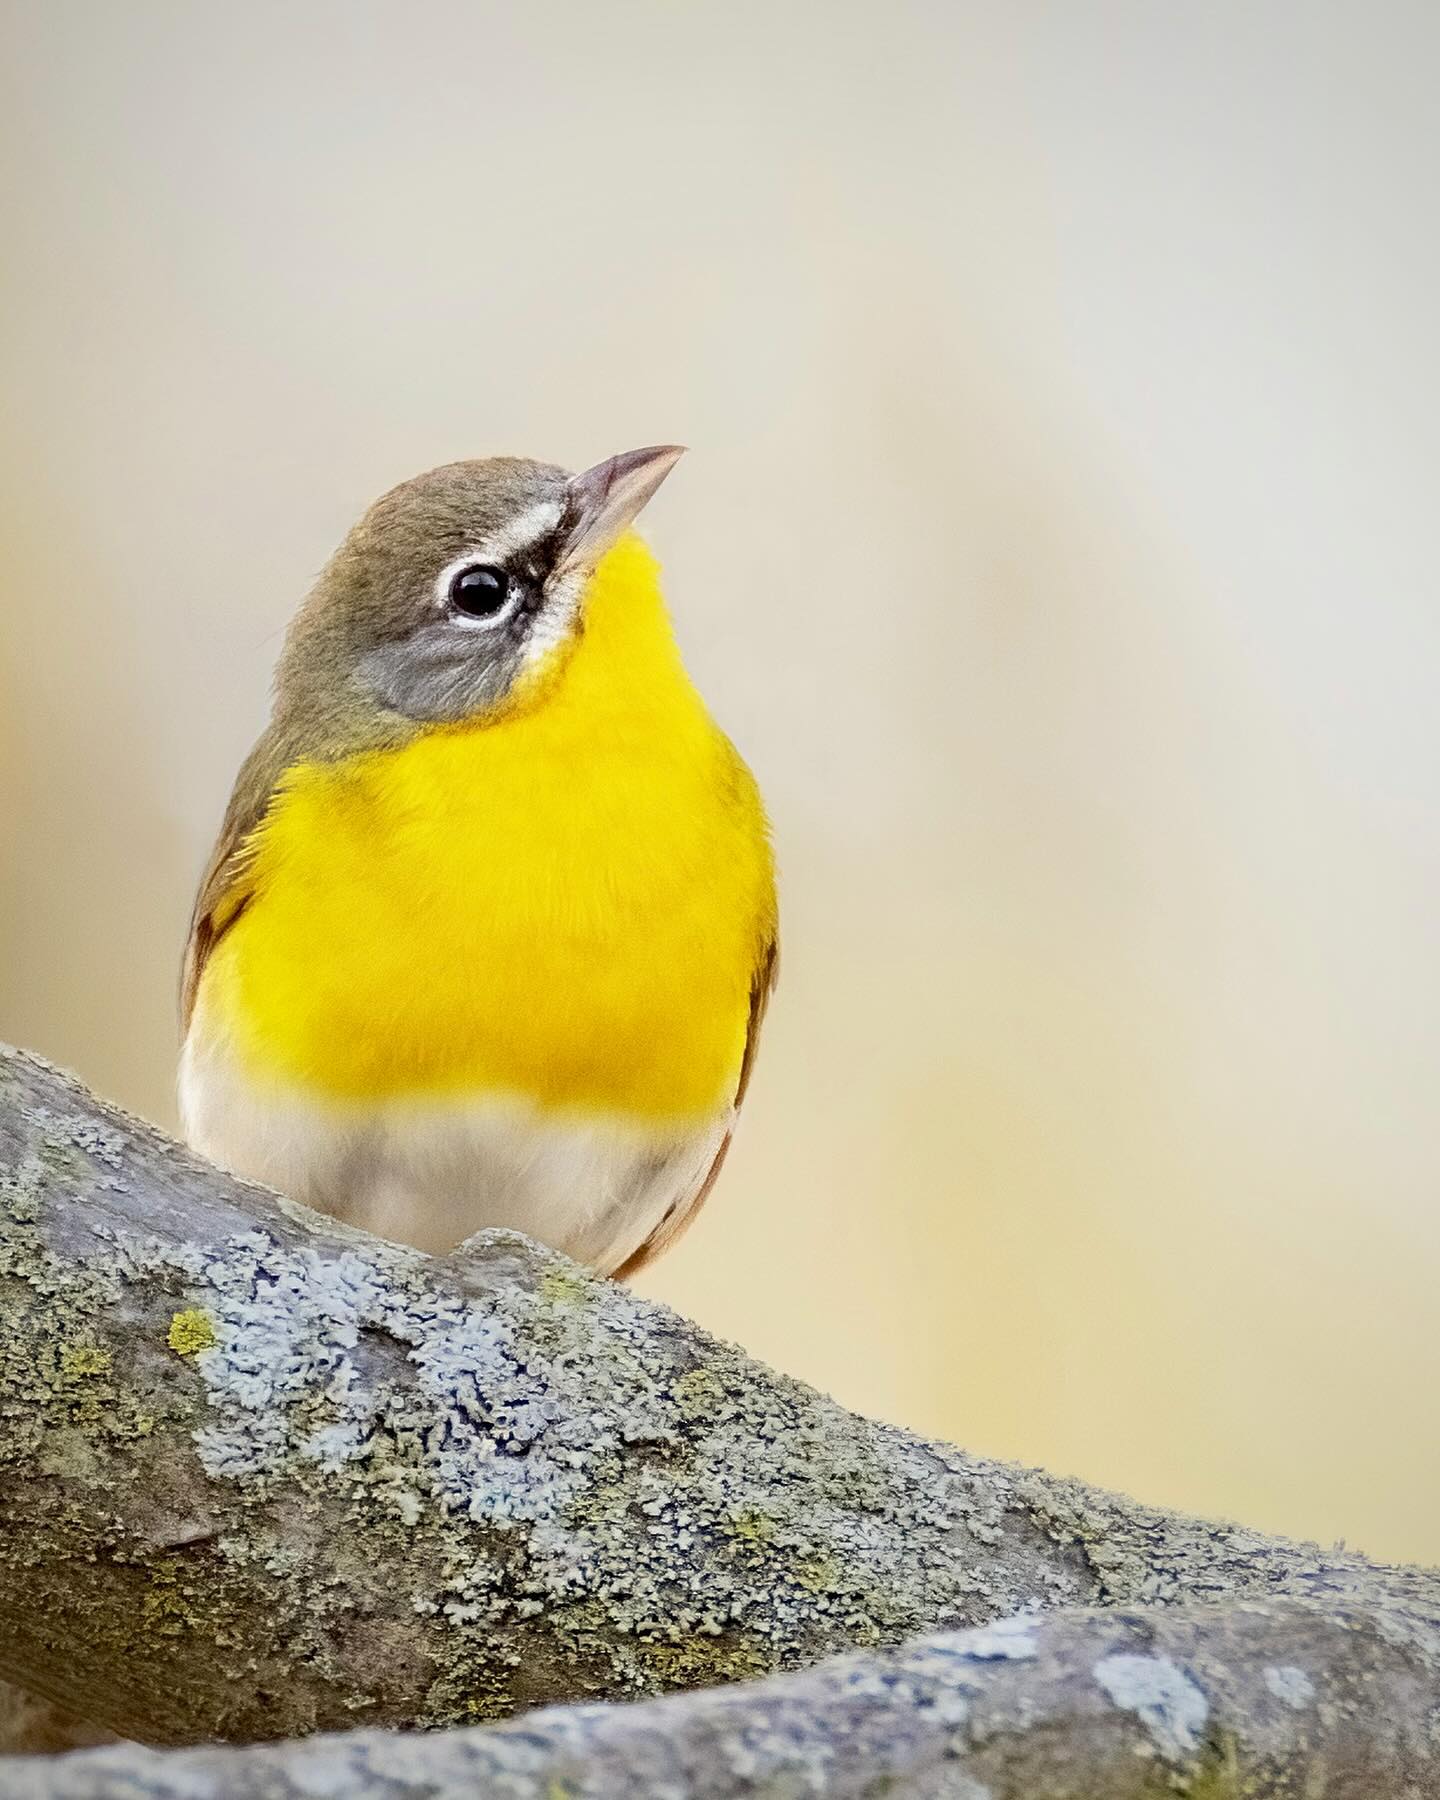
521, 533
535, 523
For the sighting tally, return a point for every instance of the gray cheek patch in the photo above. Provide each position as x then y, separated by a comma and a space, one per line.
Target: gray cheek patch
443, 673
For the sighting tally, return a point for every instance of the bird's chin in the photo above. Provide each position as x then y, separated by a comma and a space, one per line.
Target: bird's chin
556, 624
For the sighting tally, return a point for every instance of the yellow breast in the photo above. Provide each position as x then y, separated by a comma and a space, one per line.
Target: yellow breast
566, 904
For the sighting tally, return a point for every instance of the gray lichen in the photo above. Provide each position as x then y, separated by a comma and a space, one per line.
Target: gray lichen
509, 1419
1291, 1685
1162, 1696
574, 1490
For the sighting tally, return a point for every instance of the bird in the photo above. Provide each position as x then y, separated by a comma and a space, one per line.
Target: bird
489, 930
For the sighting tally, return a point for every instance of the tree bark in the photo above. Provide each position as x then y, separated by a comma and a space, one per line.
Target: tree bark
1085, 1705
262, 1476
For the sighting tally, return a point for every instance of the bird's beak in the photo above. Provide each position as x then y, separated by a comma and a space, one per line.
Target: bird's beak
605, 500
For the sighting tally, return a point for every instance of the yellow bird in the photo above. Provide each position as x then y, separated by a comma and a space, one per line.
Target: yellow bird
490, 927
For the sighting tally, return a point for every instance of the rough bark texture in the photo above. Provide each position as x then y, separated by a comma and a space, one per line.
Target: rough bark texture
1284, 1700
261, 1476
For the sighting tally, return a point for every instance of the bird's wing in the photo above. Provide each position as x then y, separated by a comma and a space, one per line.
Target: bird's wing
683, 1212
225, 890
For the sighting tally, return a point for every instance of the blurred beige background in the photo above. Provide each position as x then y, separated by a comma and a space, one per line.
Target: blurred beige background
1058, 542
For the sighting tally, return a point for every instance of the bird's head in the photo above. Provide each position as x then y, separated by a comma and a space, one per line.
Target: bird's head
454, 590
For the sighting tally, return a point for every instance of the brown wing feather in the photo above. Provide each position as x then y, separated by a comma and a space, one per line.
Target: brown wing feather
683, 1213
218, 904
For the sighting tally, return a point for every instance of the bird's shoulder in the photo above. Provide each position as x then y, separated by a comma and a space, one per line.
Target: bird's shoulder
224, 890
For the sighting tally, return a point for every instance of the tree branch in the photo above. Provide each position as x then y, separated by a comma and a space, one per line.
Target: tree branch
262, 1476
1217, 1702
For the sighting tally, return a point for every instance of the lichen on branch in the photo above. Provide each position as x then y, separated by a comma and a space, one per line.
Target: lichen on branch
263, 1475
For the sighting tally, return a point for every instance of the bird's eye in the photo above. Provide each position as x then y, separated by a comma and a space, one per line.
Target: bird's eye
480, 591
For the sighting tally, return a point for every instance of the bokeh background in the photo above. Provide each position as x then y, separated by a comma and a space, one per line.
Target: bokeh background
1058, 542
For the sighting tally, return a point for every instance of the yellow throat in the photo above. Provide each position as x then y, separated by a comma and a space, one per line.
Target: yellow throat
565, 904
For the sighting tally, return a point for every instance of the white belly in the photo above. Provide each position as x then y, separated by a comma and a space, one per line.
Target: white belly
430, 1175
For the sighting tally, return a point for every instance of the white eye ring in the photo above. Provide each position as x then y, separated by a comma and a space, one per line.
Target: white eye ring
475, 593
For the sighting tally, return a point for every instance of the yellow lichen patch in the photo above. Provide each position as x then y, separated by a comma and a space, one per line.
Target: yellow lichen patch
702, 1662
561, 1288
752, 1535
698, 1393
819, 1575
79, 1360
164, 1607
471, 1691
191, 1332
751, 1526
